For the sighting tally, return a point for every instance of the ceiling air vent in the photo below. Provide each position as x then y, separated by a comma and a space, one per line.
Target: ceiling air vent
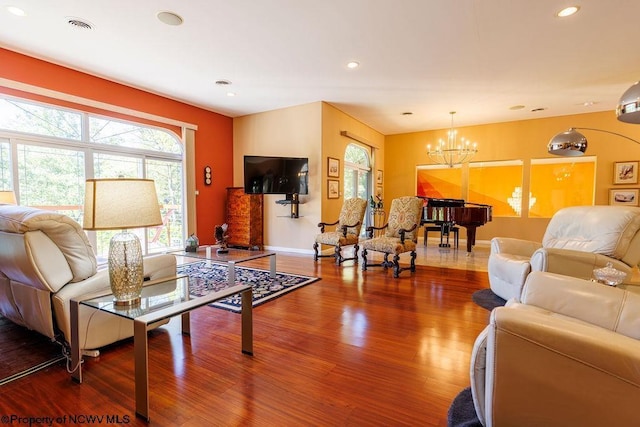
78, 23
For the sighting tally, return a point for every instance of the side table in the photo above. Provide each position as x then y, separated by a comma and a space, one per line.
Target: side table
161, 300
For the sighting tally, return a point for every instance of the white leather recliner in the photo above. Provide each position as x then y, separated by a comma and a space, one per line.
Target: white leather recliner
45, 261
567, 354
577, 240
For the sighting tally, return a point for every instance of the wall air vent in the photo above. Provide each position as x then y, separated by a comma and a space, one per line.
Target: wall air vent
78, 23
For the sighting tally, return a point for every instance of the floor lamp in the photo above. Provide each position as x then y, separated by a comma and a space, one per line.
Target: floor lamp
122, 203
572, 143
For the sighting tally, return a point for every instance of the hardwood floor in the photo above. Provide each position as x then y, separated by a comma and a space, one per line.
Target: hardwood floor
353, 349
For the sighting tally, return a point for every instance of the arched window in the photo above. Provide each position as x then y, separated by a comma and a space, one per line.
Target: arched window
357, 174
47, 152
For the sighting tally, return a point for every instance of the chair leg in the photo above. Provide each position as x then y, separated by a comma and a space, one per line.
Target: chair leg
338, 255
396, 265
386, 262
364, 259
355, 253
315, 249
413, 261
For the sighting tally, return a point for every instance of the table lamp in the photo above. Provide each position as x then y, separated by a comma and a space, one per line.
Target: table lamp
122, 203
7, 197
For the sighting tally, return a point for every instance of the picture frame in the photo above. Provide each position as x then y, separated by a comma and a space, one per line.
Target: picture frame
625, 172
333, 189
333, 167
379, 177
624, 196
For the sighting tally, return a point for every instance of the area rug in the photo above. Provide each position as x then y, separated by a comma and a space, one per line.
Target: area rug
205, 276
486, 299
24, 351
462, 412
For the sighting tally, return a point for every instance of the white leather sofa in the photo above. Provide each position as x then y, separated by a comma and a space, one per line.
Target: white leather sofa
45, 261
566, 354
577, 240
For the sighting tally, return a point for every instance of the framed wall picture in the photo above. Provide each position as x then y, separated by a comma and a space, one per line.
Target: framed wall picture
333, 167
625, 197
625, 172
379, 178
333, 189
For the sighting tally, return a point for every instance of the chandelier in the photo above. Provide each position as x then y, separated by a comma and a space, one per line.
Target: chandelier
450, 152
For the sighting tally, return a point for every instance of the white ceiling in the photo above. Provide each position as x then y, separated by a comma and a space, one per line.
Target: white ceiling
428, 57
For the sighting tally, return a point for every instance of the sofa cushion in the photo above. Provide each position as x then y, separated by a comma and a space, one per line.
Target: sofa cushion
66, 233
606, 230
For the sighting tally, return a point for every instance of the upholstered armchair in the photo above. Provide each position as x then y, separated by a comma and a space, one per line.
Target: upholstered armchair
577, 240
567, 354
346, 233
400, 235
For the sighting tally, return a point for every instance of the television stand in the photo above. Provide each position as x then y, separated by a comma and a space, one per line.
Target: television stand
294, 201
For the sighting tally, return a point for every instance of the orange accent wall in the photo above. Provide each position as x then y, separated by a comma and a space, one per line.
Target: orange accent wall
214, 137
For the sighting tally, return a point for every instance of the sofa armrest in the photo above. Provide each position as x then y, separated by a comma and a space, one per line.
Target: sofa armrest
573, 263
553, 371
518, 247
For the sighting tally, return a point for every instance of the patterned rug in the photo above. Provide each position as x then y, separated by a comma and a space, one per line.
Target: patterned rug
205, 277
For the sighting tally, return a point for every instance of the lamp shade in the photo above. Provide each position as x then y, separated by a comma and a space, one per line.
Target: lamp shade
120, 203
7, 197
570, 143
628, 109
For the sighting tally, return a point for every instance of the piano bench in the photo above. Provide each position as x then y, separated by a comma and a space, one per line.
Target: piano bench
438, 229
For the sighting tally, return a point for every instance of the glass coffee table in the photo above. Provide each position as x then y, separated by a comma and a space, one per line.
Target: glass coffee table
161, 300
231, 258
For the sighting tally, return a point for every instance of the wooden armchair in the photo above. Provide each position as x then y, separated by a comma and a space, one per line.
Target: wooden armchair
401, 235
347, 231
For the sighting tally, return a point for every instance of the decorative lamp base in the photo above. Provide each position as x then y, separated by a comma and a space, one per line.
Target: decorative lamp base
125, 268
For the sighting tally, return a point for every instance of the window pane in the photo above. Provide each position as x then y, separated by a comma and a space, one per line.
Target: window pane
356, 155
498, 184
561, 183
38, 119
350, 176
168, 179
115, 166
5, 166
52, 178
113, 132
439, 182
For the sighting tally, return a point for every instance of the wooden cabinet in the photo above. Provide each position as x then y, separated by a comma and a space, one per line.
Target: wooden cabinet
244, 218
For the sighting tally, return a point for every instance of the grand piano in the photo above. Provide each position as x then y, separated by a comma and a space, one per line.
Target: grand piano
449, 212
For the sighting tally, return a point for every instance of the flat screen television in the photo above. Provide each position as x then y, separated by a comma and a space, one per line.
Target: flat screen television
276, 175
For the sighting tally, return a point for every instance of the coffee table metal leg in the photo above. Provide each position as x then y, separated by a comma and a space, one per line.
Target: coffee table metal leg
186, 323
247, 322
76, 357
141, 368
272, 271
232, 273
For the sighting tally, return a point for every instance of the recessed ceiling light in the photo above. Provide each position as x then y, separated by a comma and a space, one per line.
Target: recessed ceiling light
170, 18
407, 113
568, 11
353, 64
535, 110
14, 10
223, 82
516, 107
